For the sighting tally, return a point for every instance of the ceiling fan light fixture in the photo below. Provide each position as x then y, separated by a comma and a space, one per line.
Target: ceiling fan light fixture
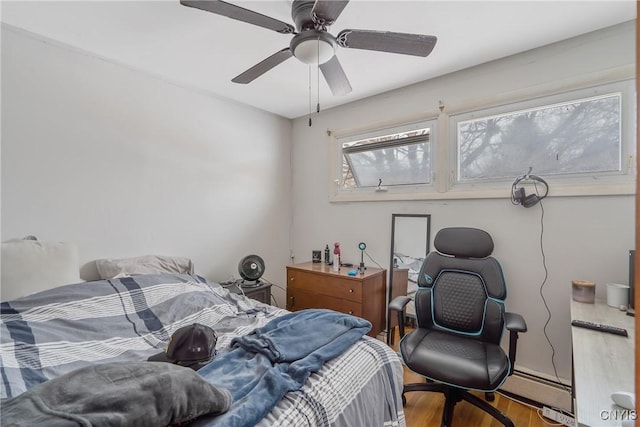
313, 47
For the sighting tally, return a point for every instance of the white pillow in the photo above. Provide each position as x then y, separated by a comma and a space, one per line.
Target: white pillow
30, 266
147, 264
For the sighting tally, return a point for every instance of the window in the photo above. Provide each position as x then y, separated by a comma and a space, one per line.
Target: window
581, 141
387, 158
397, 159
582, 136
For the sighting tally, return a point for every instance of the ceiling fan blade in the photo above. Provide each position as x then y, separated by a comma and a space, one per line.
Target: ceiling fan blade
241, 14
263, 66
386, 41
327, 11
335, 77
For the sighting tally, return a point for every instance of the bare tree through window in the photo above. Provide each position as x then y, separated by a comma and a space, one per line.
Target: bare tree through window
395, 159
581, 136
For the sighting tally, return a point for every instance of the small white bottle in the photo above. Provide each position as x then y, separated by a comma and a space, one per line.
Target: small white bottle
336, 257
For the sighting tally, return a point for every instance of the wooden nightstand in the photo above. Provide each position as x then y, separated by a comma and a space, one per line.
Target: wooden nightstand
315, 285
261, 293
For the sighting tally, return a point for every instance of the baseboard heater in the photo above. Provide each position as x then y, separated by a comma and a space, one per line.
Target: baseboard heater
539, 389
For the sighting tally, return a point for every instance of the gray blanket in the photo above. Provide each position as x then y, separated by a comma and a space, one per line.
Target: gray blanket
117, 394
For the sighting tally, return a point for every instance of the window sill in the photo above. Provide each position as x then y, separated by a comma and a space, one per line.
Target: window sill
486, 192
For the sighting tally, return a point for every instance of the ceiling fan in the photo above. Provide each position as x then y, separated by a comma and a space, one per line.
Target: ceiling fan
312, 43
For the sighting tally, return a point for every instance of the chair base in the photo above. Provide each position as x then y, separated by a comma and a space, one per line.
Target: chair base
454, 395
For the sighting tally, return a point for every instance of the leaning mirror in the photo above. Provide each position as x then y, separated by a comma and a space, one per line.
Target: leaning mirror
410, 235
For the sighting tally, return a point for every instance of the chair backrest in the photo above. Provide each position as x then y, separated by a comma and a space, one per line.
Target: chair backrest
461, 287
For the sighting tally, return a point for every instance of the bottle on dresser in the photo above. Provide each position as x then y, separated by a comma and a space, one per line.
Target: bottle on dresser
336, 256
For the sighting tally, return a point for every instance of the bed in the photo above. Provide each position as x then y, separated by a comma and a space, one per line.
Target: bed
115, 322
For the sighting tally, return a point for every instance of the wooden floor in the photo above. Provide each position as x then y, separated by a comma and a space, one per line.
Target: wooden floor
424, 409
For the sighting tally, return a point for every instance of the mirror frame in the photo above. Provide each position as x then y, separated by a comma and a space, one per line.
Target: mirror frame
393, 233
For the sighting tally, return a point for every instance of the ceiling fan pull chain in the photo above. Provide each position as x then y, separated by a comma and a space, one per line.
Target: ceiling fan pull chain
310, 101
318, 76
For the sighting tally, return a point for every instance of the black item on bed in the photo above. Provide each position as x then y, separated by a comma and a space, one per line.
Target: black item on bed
192, 346
117, 394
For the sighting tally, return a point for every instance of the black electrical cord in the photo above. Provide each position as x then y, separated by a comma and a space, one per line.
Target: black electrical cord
544, 282
373, 260
273, 298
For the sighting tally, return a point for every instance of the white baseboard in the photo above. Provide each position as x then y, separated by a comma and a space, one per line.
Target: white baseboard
535, 386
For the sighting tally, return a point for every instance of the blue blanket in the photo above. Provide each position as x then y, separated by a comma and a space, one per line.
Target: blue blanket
260, 367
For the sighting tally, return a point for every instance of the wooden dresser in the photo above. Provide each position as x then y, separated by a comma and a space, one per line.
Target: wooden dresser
315, 285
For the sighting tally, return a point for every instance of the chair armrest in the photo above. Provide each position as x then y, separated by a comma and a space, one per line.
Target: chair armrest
515, 324
398, 304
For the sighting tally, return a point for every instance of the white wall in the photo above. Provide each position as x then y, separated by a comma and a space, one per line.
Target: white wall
124, 164
584, 237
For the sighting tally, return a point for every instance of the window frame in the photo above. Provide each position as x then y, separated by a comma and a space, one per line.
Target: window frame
383, 145
337, 193
595, 183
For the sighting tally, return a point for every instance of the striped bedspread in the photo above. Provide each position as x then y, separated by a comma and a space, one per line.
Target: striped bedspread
47, 334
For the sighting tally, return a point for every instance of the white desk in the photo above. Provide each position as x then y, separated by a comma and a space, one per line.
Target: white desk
602, 363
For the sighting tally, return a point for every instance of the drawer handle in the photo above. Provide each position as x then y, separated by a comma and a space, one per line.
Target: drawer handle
350, 291
350, 312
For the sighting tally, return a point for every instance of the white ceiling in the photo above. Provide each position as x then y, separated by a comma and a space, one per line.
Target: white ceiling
204, 51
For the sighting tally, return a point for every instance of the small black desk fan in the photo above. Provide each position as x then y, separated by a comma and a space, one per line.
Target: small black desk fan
251, 268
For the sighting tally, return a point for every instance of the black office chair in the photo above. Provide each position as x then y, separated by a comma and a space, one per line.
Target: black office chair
461, 317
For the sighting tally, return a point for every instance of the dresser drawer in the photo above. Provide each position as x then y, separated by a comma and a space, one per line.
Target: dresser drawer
324, 284
300, 300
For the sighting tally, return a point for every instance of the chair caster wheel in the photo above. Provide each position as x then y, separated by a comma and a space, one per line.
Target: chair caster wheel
490, 396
